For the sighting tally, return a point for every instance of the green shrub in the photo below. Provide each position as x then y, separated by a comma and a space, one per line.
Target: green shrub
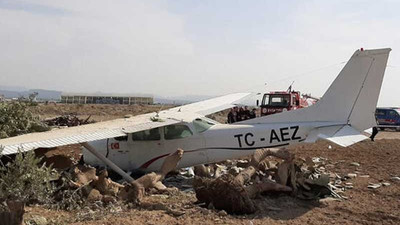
16, 119
27, 180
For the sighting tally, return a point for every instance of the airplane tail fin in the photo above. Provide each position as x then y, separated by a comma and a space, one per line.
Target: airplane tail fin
350, 100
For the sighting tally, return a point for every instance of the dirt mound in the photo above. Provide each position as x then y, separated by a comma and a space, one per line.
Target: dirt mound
225, 193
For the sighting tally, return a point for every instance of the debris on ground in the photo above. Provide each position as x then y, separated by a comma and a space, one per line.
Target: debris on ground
395, 178
374, 186
232, 188
84, 184
67, 120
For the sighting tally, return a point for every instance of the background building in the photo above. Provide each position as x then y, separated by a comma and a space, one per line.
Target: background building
74, 98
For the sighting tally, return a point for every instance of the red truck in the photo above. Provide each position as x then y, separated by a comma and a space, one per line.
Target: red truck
280, 101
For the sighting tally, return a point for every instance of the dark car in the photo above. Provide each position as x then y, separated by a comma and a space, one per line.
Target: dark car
388, 118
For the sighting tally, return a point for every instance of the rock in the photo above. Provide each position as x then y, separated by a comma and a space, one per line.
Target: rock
204, 211
202, 171
105, 185
364, 176
94, 195
222, 213
349, 186
386, 184
374, 186
351, 175
395, 178
355, 164
175, 213
328, 199
38, 220
107, 199
84, 174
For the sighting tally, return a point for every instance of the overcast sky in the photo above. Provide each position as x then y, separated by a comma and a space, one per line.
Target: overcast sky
181, 47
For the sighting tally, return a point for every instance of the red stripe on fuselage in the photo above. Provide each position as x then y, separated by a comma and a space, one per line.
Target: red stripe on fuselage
147, 164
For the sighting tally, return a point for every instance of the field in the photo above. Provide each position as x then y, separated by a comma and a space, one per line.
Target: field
380, 160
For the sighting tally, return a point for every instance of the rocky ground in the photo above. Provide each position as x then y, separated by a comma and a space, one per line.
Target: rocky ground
372, 194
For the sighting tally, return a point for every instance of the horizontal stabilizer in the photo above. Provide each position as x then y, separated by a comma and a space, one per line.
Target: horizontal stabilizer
340, 135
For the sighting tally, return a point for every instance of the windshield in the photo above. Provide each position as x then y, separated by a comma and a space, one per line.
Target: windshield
201, 125
281, 100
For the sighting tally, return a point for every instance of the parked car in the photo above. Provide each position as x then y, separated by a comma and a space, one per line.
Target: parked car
388, 118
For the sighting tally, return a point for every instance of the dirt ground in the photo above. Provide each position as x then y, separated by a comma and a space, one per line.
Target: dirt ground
98, 112
380, 160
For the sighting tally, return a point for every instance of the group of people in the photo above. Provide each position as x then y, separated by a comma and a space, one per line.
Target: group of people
238, 114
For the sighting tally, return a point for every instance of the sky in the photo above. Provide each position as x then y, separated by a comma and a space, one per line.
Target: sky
180, 47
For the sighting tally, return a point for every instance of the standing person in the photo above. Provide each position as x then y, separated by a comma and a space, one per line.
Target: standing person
231, 116
253, 113
246, 113
374, 130
240, 114
235, 114
374, 133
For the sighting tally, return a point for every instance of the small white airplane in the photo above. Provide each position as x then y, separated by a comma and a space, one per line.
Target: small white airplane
141, 142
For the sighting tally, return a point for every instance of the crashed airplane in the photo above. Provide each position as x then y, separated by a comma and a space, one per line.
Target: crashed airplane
345, 110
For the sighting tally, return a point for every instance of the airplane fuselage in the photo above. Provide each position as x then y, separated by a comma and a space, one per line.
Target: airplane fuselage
216, 143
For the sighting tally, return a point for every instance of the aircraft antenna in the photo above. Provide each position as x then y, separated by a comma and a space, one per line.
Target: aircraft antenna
290, 87
162, 105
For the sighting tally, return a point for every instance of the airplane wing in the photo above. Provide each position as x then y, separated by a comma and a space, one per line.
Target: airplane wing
118, 127
84, 133
213, 105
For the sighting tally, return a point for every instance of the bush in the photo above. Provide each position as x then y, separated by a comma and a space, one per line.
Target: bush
25, 180
16, 119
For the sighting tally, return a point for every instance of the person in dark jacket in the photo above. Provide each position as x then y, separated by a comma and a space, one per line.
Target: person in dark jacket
253, 114
240, 114
246, 113
231, 116
374, 133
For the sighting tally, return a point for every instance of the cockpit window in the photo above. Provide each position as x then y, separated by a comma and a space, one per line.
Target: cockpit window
177, 131
147, 135
201, 125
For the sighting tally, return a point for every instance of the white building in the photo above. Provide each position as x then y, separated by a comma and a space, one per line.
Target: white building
80, 98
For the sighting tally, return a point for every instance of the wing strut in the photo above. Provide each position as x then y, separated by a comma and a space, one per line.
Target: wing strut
108, 162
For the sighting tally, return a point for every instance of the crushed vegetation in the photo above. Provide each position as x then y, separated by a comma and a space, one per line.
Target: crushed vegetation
233, 186
67, 120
